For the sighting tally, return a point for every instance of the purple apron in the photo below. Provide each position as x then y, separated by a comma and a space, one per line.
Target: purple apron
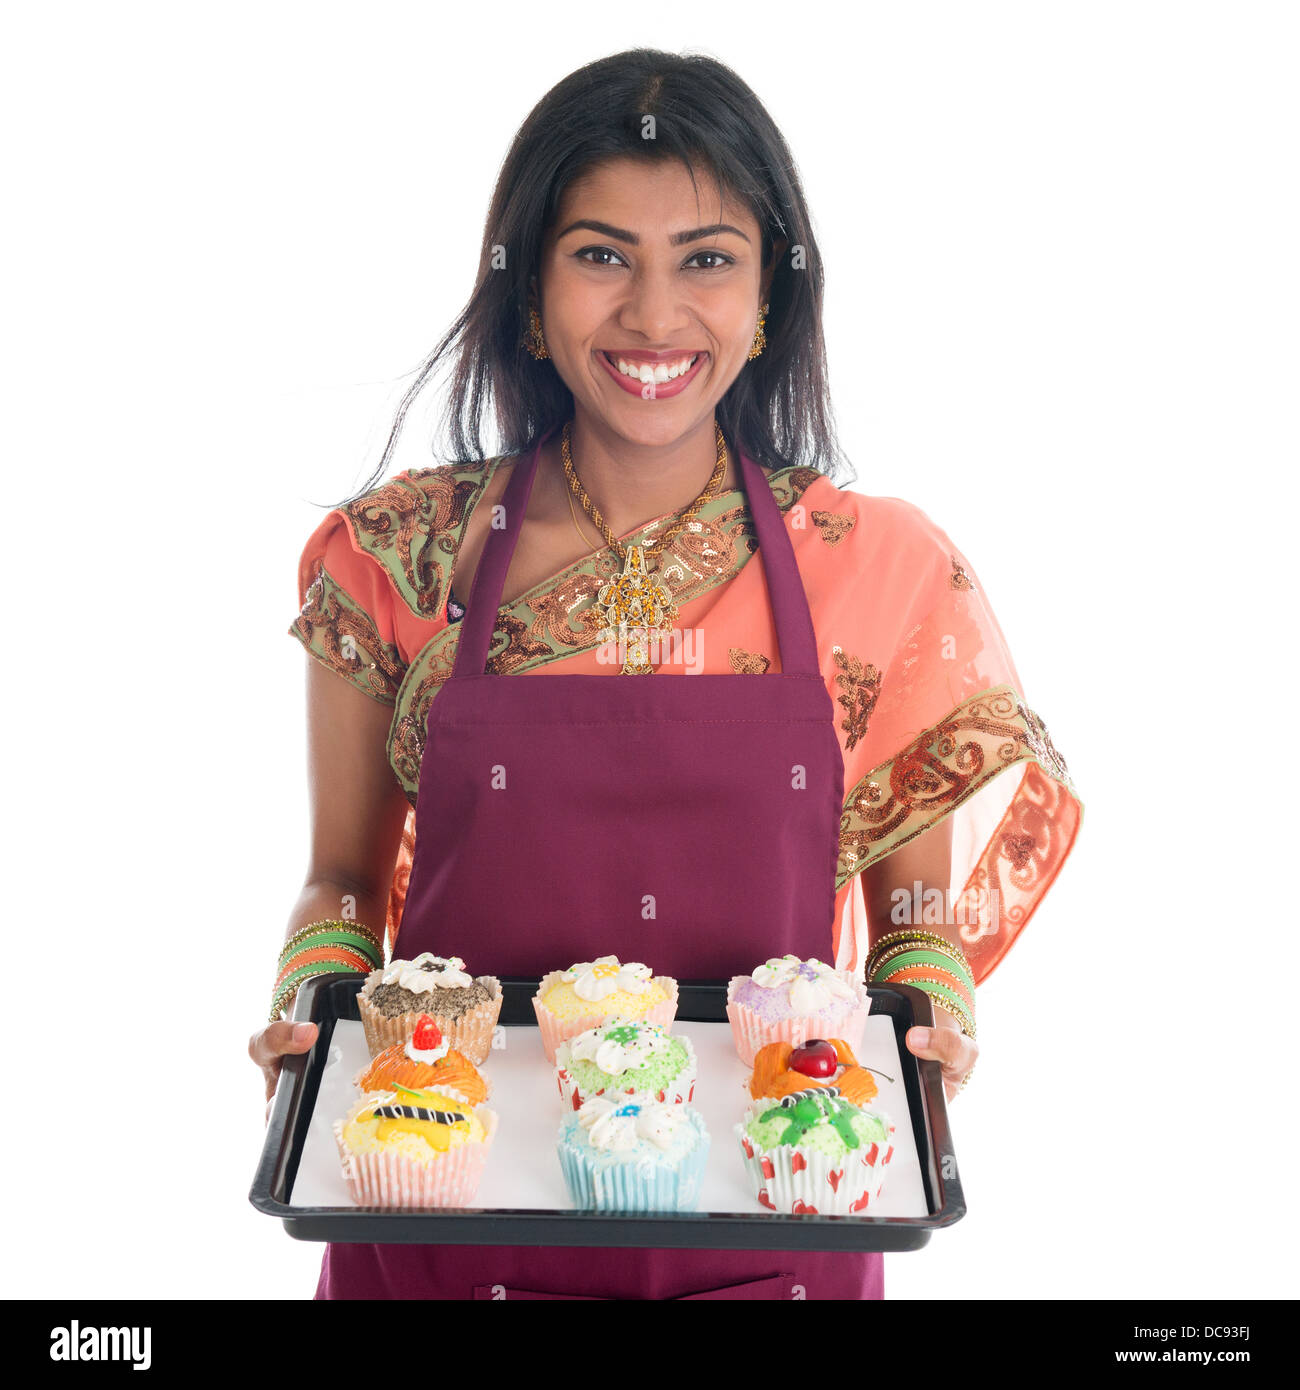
690, 822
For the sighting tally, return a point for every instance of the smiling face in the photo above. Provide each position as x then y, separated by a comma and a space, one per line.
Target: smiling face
641, 270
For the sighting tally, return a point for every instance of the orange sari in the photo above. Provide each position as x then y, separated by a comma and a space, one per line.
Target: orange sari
933, 722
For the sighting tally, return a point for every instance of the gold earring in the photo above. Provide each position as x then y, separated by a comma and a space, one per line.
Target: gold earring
535, 342
760, 338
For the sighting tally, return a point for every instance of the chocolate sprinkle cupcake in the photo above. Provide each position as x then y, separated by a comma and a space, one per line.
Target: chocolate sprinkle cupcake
464, 1007
392, 1000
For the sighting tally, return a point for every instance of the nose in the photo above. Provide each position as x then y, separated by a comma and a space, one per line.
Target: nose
654, 309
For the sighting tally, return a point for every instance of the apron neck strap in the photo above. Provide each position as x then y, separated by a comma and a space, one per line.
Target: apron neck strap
794, 625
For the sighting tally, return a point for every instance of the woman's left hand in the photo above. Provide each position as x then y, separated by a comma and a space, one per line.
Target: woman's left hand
945, 1043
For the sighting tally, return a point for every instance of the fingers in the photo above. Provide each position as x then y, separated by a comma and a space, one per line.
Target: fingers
278, 1039
948, 1046
955, 1050
275, 1041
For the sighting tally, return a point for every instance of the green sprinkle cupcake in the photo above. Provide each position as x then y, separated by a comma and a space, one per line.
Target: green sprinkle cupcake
626, 1057
812, 1151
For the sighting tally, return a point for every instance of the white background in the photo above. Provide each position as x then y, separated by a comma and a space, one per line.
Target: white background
1061, 313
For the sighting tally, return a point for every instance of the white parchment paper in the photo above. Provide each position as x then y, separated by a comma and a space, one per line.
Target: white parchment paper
523, 1170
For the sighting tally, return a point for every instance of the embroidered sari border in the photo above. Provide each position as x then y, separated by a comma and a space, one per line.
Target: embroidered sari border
945, 765
1020, 862
413, 525
343, 637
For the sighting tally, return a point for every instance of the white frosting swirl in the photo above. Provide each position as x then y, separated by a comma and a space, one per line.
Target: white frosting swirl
615, 1055
812, 985
428, 1055
597, 979
427, 972
619, 1125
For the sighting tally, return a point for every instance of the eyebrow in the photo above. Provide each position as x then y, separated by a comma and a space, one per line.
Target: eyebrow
677, 238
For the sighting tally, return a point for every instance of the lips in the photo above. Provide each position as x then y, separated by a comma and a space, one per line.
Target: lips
652, 376
659, 369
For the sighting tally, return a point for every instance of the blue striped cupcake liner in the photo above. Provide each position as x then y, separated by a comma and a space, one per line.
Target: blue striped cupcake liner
636, 1182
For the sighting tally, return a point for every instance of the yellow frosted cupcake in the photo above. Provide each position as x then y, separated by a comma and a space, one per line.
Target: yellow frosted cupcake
586, 995
408, 1148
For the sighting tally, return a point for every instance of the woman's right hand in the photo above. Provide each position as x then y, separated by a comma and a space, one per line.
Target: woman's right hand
276, 1041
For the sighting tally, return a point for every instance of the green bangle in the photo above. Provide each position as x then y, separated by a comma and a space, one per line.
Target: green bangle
942, 995
325, 937
283, 997
902, 960
916, 937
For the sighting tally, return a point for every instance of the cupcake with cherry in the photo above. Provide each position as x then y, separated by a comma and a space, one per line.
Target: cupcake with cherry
626, 1057
820, 1063
787, 999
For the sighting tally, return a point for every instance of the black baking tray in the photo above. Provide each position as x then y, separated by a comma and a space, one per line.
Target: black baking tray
329, 997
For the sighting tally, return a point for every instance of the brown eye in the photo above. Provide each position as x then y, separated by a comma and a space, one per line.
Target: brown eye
597, 251
717, 256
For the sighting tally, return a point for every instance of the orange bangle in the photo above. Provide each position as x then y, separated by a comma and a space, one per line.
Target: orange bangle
345, 954
931, 972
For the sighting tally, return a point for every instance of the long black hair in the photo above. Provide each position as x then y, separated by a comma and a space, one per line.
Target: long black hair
706, 117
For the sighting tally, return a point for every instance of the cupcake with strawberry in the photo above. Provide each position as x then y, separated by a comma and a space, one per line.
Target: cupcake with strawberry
787, 999
424, 1059
813, 1152
625, 1057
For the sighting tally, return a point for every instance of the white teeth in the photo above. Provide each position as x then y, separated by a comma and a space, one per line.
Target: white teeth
663, 371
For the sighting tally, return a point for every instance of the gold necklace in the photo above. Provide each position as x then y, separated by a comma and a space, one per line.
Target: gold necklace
638, 608
576, 527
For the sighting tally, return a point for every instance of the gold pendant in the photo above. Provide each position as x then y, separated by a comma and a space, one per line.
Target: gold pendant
636, 606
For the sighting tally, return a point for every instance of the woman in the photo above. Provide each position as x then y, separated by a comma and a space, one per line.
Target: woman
647, 322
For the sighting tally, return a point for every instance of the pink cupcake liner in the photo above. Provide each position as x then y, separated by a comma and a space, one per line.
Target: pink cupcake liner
388, 1179
751, 1031
470, 1034
555, 1030
800, 1182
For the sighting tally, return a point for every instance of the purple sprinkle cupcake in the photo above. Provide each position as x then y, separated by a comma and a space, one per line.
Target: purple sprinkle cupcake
791, 1000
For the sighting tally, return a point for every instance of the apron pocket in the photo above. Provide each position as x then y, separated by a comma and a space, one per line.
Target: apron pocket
499, 1293
776, 1286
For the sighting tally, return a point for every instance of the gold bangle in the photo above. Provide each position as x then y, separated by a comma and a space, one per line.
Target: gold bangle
917, 937
312, 928
964, 1080
964, 1019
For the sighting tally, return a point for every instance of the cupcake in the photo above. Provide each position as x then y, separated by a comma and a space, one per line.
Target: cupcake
792, 1000
464, 1008
632, 1154
780, 1069
414, 1148
812, 1151
569, 1002
625, 1058
424, 1059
